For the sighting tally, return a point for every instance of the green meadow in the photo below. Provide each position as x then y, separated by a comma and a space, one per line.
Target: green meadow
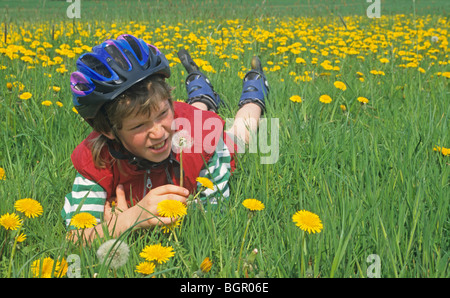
372, 163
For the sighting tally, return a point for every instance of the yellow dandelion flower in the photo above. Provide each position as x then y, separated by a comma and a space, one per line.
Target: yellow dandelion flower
29, 207
9, 86
21, 238
300, 60
377, 72
2, 174
10, 221
74, 110
340, 85
46, 103
25, 95
343, 108
307, 221
208, 68
172, 208
206, 265
56, 88
83, 220
45, 270
157, 252
295, 98
168, 228
253, 204
444, 151
205, 182
384, 60
61, 70
363, 100
59, 104
325, 98
145, 268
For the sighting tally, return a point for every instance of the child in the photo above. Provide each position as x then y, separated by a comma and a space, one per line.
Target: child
120, 90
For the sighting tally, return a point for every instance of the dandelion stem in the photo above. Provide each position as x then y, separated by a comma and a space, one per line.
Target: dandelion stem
243, 240
3, 246
8, 275
180, 252
303, 255
181, 168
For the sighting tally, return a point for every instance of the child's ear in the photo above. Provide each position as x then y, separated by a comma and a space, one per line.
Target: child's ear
109, 135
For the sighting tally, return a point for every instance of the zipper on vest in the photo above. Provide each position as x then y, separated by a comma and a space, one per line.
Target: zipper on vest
147, 182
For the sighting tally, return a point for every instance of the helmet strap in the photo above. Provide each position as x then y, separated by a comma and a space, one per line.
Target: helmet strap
141, 163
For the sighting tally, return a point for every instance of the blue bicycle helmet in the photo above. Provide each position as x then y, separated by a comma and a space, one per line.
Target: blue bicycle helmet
111, 68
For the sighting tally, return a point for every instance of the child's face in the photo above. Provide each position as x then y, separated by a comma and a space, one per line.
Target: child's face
149, 137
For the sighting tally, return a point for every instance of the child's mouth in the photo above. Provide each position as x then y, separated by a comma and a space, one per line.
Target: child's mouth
159, 147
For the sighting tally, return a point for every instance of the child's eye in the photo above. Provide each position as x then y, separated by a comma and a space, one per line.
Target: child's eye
137, 126
163, 113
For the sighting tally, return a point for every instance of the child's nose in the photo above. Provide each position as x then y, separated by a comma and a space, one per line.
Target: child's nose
157, 131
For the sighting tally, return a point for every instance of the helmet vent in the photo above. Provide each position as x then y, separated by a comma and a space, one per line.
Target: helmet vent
96, 65
134, 46
81, 87
117, 56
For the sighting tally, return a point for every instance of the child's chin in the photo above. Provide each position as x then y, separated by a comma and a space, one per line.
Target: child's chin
159, 157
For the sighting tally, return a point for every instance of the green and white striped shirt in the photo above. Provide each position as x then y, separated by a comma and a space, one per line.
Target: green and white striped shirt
88, 196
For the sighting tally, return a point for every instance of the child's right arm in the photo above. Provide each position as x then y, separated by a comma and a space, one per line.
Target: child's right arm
93, 200
90, 195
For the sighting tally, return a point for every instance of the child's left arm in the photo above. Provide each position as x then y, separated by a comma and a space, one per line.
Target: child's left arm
218, 170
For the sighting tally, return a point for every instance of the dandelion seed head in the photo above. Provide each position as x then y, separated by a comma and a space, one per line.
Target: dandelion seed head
181, 140
113, 252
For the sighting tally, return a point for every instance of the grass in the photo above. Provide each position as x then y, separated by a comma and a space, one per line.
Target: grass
370, 173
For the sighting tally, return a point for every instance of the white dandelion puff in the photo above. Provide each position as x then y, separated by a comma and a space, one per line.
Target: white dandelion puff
434, 39
113, 252
181, 140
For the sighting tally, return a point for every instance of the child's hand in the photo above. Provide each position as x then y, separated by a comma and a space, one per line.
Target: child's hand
116, 205
147, 208
145, 213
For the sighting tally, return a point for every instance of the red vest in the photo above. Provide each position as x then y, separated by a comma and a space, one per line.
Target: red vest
203, 128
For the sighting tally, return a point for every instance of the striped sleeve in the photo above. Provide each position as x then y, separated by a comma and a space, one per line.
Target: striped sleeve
218, 170
86, 196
